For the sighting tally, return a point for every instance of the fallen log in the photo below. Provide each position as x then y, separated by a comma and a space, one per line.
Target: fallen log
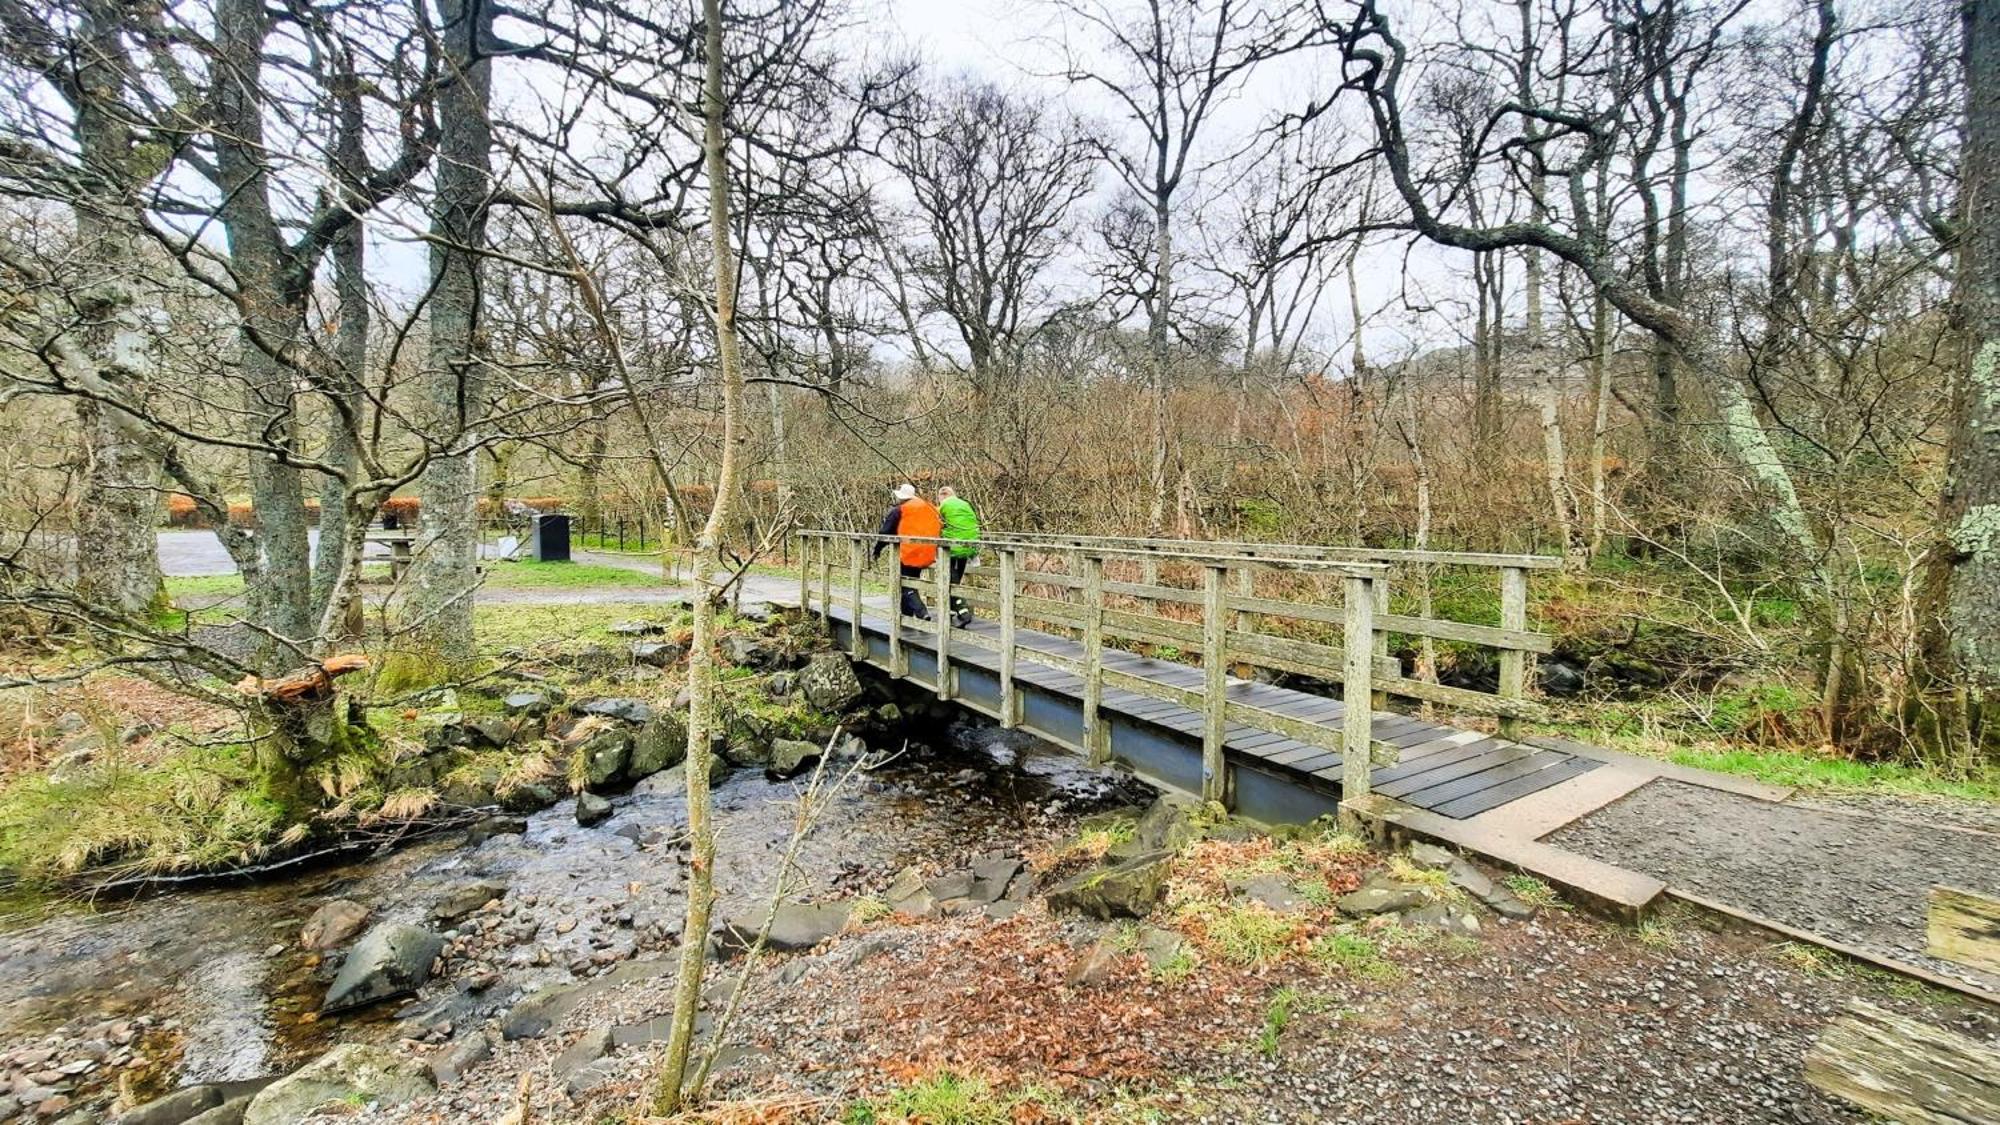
1906, 1070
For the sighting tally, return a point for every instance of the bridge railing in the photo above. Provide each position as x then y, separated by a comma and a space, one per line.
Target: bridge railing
1510, 639
1062, 584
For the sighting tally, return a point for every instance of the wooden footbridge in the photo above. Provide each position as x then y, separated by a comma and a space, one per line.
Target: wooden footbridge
1161, 654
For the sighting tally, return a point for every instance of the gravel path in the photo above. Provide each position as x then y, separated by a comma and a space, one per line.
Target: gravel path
1857, 877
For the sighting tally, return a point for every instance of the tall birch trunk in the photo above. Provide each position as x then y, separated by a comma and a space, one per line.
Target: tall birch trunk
1961, 649
118, 562
454, 383
708, 563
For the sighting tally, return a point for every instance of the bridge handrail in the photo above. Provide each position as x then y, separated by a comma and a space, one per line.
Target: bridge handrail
1173, 547
996, 542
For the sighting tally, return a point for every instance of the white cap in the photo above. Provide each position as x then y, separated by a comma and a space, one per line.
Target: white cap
906, 492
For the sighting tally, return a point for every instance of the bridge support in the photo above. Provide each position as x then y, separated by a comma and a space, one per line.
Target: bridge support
1357, 715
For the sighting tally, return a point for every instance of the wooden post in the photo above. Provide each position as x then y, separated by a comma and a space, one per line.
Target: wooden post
1513, 662
1096, 739
1357, 717
1245, 621
898, 667
825, 585
1379, 700
1150, 570
805, 585
1010, 704
1214, 607
857, 642
942, 569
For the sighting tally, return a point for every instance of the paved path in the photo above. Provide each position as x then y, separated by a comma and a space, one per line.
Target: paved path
198, 554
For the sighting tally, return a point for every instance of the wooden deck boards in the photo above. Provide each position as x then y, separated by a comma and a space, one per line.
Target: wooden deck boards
1439, 768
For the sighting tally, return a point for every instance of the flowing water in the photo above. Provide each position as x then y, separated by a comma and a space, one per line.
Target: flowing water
224, 964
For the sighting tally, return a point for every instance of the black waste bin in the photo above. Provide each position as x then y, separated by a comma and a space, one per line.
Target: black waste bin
551, 537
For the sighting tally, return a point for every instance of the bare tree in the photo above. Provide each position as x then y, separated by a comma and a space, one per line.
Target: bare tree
1172, 65
994, 177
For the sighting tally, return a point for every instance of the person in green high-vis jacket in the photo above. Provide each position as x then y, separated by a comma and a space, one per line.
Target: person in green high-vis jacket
961, 527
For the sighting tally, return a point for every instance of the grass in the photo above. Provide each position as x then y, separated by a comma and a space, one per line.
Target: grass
1534, 892
1276, 1015
1353, 954
1241, 933
1840, 775
946, 1097
528, 574
502, 627
1435, 884
199, 808
204, 586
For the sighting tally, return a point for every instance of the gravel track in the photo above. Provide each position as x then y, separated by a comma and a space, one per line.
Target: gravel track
1859, 877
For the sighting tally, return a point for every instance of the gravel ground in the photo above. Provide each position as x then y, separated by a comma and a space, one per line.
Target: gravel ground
1563, 1019
1859, 877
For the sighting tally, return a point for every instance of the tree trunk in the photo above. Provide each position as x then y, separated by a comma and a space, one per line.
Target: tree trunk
1157, 349
117, 557
332, 597
447, 546
1962, 614
708, 561
1600, 419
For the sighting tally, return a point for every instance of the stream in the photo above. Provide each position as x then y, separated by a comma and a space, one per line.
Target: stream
214, 985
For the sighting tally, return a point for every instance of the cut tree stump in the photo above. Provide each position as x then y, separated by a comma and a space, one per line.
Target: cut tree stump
1905, 1070
1965, 928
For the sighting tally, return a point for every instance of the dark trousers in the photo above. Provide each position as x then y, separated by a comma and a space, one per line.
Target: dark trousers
913, 602
958, 565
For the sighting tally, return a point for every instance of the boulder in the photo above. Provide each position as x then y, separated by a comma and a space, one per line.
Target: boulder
624, 710
393, 959
462, 901
1167, 825
1469, 879
951, 886
469, 787
332, 924
1161, 947
592, 1045
909, 896
790, 757
828, 682
991, 877
1380, 900
230, 1112
1451, 919
605, 754
660, 744
797, 925
175, 1108
544, 1008
531, 703
636, 628
778, 685
746, 651
1095, 965
1130, 888
1430, 857
490, 730
1273, 892
529, 796
591, 809
658, 654
352, 1073
449, 1065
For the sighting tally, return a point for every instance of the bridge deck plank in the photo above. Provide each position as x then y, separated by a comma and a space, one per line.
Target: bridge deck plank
1443, 769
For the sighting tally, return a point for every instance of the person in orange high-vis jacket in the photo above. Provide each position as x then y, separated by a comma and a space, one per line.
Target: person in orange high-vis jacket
917, 518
